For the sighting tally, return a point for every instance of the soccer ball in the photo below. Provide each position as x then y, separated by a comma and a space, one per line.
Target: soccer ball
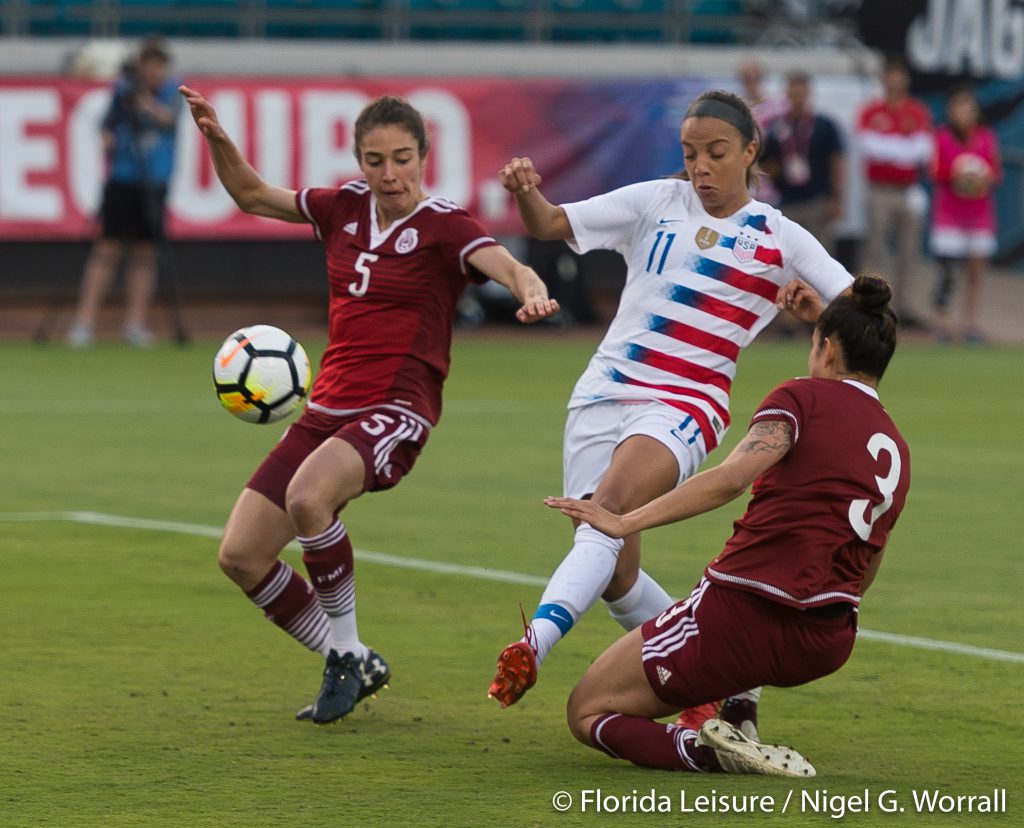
971, 175
261, 374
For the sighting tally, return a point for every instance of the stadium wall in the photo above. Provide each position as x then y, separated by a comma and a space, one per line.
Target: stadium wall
593, 117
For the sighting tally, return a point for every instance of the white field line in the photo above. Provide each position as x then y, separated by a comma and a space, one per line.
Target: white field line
440, 567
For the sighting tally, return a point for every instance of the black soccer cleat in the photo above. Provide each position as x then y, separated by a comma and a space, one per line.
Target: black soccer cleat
373, 674
340, 689
741, 713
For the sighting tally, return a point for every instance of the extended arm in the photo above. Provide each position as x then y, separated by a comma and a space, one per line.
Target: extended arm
542, 219
763, 446
523, 282
250, 192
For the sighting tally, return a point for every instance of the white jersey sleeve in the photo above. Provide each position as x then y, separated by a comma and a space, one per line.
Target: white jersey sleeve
609, 221
806, 259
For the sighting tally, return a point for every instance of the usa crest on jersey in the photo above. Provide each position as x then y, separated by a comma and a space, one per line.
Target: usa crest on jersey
745, 247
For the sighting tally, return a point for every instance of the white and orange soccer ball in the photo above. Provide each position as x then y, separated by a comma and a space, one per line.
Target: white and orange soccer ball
261, 374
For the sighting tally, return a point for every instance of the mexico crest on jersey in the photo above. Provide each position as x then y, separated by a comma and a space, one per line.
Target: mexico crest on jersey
407, 240
745, 247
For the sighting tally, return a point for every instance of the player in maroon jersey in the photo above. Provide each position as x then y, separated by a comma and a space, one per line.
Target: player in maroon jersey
778, 606
397, 261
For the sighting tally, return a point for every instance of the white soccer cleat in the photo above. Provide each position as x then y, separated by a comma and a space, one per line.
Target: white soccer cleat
738, 754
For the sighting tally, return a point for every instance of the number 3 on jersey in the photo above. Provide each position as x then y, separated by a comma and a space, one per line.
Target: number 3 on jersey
362, 267
886, 487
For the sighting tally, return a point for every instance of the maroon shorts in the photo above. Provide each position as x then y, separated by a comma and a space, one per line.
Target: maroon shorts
389, 440
721, 641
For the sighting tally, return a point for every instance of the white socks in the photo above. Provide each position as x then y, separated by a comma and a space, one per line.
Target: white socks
644, 600
574, 587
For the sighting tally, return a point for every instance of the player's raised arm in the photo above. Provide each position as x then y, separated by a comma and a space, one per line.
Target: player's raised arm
250, 192
542, 219
526, 286
764, 445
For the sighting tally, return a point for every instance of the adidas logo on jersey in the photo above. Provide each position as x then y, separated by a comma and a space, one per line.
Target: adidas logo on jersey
663, 675
351, 228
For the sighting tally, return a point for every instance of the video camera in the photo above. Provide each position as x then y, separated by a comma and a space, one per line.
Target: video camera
133, 88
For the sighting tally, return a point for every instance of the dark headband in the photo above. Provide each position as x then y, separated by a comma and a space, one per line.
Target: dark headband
711, 108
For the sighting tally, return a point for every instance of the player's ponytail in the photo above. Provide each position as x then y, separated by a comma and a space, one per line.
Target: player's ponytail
871, 293
863, 324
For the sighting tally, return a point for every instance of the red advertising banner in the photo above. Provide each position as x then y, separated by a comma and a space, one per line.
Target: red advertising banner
295, 132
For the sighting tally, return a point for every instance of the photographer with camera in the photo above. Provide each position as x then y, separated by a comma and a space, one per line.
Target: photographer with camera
138, 136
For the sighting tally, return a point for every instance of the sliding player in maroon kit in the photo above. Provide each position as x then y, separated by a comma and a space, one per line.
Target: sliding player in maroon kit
778, 606
397, 261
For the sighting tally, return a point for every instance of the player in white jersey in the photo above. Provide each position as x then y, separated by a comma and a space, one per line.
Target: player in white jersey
707, 269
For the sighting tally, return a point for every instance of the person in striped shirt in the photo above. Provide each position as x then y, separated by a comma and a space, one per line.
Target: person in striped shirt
707, 269
896, 143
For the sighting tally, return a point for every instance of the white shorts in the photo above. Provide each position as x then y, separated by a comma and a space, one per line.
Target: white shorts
593, 431
954, 243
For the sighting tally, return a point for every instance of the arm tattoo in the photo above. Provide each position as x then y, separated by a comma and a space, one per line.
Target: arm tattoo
775, 436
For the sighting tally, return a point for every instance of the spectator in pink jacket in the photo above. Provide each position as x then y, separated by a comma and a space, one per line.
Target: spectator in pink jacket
966, 168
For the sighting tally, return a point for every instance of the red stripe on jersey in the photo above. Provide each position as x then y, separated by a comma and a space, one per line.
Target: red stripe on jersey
679, 367
770, 256
695, 336
736, 278
681, 391
716, 307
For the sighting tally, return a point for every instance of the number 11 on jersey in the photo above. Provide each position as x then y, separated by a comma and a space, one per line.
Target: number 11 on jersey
669, 238
362, 267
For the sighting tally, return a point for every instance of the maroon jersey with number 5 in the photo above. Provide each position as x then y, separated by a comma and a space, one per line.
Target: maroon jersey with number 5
393, 297
816, 518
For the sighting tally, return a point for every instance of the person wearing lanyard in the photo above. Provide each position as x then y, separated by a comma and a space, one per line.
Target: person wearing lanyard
804, 156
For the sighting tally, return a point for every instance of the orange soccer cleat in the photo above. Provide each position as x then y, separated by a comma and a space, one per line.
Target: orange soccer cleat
517, 673
693, 717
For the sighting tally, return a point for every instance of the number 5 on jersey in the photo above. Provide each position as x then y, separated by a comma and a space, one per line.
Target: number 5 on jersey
362, 267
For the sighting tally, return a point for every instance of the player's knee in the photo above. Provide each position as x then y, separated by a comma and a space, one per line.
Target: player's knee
622, 582
309, 513
105, 253
143, 255
235, 562
578, 720
615, 500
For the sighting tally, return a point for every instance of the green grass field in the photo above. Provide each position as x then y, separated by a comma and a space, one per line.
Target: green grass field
138, 687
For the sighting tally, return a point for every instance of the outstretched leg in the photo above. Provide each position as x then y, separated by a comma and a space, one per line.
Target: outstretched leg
641, 469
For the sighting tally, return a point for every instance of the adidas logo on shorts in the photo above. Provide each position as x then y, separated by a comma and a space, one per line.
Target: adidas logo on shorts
663, 675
